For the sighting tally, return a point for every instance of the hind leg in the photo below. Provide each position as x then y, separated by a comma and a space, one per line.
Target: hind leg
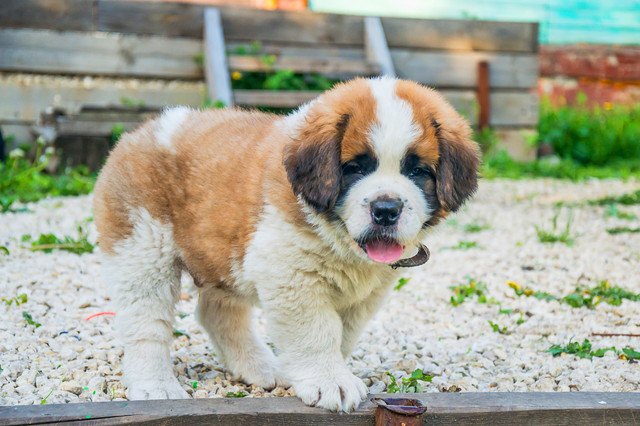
146, 281
227, 320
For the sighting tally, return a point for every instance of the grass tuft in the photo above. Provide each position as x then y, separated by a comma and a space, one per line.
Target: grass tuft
408, 384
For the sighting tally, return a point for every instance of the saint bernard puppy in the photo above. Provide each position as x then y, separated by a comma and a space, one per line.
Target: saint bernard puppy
307, 216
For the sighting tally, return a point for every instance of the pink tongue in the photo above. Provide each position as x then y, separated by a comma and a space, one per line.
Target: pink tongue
383, 251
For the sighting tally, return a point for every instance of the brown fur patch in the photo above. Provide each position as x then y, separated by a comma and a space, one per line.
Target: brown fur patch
445, 142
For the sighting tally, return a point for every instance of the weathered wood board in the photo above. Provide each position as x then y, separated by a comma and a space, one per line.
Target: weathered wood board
442, 409
114, 54
186, 20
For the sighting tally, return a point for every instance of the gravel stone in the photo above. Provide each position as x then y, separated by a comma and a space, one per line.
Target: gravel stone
417, 327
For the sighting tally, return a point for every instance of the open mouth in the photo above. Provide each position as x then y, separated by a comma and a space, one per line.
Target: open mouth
383, 249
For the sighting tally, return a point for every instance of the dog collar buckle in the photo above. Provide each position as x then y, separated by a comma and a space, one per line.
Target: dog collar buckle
419, 259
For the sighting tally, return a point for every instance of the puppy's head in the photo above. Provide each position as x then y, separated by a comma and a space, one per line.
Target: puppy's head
381, 160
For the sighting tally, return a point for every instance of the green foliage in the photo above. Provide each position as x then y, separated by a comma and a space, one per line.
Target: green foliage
43, 401
499, 329
612, 210
238, 394
487, 139
178, 333
194, 385
131, 103
473, 288
554, 235
591, 136
464, 245
629, 199
582, 297
623, 230
408, 384
501, 165
116, 132
475, 227
29, 319
20, 299
585, 350
4, 250
401, 283
49, 242
209, 104
25, 180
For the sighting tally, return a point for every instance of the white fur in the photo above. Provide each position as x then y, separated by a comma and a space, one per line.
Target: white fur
146, 285
169, 123
316, 304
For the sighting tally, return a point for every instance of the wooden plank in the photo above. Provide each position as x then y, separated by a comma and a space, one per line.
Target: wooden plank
458, 69
281, 99
98, 54
442, 409
375, 46
47, 14
515, 109
24, 97
319, 64
215, 59
461, 35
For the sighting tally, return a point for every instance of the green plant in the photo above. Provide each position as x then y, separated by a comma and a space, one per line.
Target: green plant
4, 250
623, 230
131, 103
238, 394
487, 139
582, 297
116, 132
628, 199
194, 385
499, 329
29, 319
49, 242
464, 291
475, 227
401, 283
464, 245
178, 333
408, 384
20, 299
25, 180
581, 350
613, 211
591, 136
553, 235
43, 401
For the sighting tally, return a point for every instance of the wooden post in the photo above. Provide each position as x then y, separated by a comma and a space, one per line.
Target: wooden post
484, 112
376, 48
215, 59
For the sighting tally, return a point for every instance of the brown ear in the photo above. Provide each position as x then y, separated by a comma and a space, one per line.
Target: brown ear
313, 163
457, 173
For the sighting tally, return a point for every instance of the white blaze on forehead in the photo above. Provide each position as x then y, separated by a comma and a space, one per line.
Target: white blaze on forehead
394, 129
169, 123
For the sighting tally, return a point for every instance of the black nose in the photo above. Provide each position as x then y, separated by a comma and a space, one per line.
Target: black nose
386, 211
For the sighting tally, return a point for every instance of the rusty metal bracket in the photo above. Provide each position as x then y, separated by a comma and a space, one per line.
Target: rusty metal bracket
398, 411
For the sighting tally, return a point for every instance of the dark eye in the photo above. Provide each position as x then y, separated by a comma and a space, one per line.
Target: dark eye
419, 171
352, 168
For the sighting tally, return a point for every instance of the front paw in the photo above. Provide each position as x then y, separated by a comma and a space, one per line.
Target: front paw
334, 392
157, 389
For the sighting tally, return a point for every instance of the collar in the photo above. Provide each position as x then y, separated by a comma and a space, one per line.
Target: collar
419, 259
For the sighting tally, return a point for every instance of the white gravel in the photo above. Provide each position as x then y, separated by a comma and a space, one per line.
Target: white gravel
75, 360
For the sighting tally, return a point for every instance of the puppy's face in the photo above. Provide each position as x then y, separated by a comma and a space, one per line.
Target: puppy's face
382, 160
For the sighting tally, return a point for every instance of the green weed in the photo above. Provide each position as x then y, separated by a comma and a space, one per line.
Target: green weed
401, 283
464, 245
408, 384
585, 350
554, 235
4, 250
238, 394
43, 401
178, 333
613, 211
49, 242
628, 199
29, 319
582, 297
623, 230
475, 227
499, 329
466, 291
116, 132
20, 299
194, 385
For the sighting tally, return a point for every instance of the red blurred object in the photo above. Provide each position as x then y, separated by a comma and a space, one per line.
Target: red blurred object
99, 314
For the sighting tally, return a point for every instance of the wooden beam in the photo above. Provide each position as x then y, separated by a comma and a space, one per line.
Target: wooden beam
66, 15
479, 408
215, 59
375, 46
483, 93
318, 64
278, 99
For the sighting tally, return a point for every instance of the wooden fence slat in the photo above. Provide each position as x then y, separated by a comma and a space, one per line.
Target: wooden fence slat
98, 54
215, 59
540, 408
458, 69
461, 35
375, 45
280, 99
67, 15
319, 64
186, 20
